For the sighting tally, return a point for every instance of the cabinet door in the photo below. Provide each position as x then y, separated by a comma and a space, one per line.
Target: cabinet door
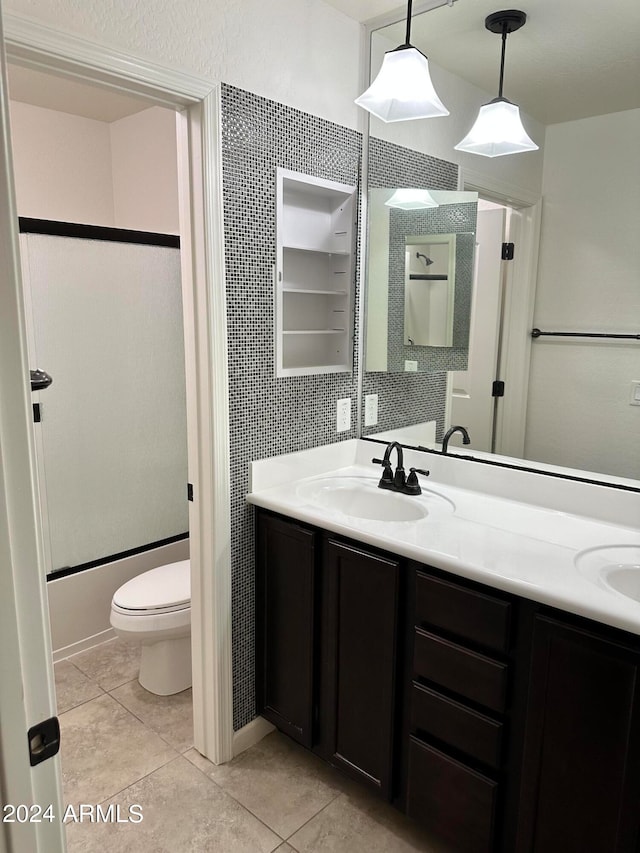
360, 604
581, 772
285, 603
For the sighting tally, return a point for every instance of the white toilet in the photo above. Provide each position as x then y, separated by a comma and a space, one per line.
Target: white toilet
155, 609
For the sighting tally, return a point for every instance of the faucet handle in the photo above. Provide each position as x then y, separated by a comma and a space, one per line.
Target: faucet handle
412, 486
386, 481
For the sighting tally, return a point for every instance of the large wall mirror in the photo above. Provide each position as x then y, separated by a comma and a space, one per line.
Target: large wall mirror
571, 209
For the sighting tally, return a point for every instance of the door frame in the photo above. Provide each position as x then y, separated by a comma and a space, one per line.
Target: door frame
197, 102
515, 355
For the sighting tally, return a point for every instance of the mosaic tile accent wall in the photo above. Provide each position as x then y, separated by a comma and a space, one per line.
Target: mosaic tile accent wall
268, 416
407, 398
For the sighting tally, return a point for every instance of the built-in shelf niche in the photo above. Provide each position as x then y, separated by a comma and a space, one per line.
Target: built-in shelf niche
314, 275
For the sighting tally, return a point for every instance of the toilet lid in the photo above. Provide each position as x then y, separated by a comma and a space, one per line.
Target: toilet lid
167, 587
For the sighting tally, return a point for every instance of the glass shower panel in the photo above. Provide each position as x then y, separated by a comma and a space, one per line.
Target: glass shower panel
107, 326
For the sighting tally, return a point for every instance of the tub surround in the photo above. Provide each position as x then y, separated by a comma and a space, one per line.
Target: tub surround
513, 530
79, 604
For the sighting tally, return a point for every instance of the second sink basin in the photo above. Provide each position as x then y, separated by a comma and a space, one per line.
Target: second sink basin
361, 498
614, 566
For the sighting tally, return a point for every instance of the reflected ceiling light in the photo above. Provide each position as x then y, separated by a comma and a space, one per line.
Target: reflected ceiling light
403, 89
498, 129
411, 199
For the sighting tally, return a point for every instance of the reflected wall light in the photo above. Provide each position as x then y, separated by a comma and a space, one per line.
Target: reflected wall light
498, 129
407, 198
403, 89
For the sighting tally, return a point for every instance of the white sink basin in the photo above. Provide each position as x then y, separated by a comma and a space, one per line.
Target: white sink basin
614, 566
361, 498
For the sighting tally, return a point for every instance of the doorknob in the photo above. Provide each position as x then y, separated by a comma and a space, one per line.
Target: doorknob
40, 380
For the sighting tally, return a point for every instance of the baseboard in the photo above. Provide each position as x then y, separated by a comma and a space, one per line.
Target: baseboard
83, 645
250, 734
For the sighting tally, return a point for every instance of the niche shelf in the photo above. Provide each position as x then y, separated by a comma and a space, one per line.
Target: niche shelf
314, 275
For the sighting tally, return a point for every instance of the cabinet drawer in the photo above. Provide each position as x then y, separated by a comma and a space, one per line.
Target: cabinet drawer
458, 669
453, 723
454, 801
464, 612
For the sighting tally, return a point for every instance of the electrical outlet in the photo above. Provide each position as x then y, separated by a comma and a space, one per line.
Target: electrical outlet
343, 415
634, 399
411, 366
371, 410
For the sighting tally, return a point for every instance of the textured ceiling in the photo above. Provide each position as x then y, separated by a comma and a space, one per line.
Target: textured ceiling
572, 59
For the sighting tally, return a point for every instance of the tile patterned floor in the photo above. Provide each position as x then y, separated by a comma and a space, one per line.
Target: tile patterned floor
123, 746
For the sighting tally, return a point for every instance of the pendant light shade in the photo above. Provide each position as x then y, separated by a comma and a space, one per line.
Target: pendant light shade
403, 89
498, 130
407, 198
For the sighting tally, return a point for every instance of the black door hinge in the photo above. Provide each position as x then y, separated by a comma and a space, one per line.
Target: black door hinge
508, 251
44, 740
189, 491
497, 389
37, 414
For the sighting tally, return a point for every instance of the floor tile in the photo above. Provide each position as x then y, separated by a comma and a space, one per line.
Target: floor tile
104, 748
72, 686
277, 780
183, 812
110, 664
360, 823
170, 716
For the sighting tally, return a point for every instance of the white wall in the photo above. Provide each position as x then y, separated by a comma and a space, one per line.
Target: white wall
145, 171
121, 174
588, 281
62, 166
303, 53
437, 136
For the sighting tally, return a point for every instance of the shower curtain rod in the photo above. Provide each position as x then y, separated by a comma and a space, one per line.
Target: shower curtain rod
536, 333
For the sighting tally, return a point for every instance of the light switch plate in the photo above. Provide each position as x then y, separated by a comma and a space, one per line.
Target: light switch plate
634, 399
411, 366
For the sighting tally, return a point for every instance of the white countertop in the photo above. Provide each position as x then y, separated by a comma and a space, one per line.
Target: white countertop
493, 537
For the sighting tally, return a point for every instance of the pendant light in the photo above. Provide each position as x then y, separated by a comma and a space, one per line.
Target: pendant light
403, 89
406, 198
498, 129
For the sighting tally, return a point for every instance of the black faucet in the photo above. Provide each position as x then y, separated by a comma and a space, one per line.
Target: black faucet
450, 432
398, 481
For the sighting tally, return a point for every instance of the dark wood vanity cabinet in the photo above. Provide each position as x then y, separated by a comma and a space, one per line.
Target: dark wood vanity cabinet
580, 786
458, 700
502, 725
359, 643
286, 596
326, 646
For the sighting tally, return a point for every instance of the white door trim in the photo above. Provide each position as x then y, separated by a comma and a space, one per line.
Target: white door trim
518, 306
26, 671
36, 45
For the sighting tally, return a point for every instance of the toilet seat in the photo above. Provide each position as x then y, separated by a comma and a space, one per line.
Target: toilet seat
165, 589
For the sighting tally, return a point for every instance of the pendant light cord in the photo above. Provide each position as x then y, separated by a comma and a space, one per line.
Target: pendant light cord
505, 29
408, 38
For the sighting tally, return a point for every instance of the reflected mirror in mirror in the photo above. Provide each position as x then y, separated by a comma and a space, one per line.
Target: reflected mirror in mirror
419, 281
429, 285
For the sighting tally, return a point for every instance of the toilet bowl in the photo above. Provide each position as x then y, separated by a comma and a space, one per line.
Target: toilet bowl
154, 609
